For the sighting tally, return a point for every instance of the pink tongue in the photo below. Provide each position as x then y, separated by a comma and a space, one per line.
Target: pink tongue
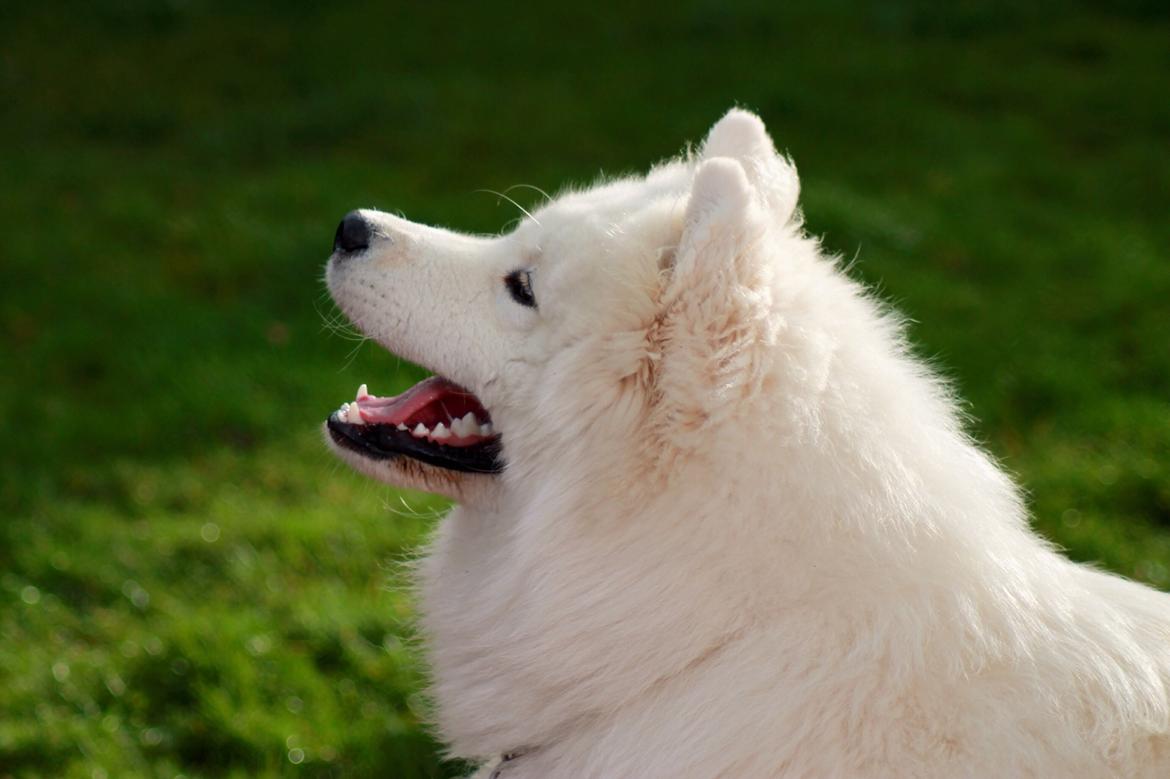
432, 400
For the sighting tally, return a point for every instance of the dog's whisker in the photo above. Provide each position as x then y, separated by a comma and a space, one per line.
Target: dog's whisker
513, 202
534, 188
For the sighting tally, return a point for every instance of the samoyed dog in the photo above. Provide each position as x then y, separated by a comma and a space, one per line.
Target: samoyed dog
713, 519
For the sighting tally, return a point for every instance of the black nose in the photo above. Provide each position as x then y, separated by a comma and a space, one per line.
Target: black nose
353, 234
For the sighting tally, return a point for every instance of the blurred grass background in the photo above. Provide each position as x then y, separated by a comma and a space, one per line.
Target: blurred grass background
189, 585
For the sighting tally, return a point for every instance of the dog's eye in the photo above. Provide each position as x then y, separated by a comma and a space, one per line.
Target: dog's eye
520, 287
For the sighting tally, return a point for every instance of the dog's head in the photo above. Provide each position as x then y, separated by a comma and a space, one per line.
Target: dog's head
616, 318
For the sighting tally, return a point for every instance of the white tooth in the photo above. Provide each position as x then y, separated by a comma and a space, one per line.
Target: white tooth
420, 430
459, 427
470, 424
362, 392
441, 431
354, 416
485, 429
401, 426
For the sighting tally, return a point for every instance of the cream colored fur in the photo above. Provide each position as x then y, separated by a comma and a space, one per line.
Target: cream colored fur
741, 532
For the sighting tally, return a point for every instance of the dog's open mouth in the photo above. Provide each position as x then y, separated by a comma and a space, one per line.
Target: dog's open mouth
435, 421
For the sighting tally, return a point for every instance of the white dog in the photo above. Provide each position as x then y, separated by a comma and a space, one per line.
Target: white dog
719, 522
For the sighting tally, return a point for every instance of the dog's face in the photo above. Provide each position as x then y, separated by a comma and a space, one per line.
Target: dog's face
568, 334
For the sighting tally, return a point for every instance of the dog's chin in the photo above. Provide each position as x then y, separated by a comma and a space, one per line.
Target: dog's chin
477, 489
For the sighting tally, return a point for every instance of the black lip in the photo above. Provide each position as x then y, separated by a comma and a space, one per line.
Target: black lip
383, 442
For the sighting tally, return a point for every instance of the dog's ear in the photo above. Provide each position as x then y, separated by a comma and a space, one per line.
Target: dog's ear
741, 136
714, 315
722, 227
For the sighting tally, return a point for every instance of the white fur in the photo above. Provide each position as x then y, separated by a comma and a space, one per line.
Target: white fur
741, 532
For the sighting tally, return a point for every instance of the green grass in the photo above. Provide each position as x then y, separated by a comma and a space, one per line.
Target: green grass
190, 585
